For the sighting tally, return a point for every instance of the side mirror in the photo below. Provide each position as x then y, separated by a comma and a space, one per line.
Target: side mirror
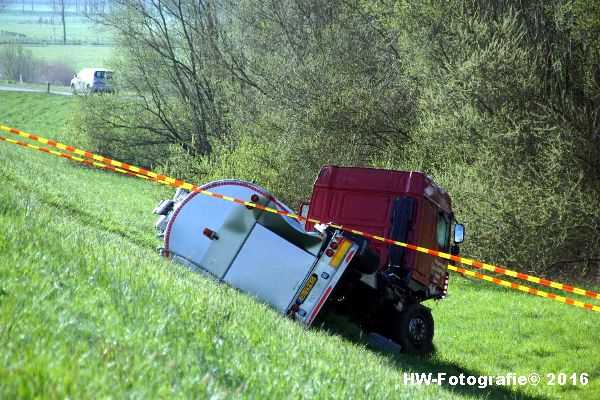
459, 233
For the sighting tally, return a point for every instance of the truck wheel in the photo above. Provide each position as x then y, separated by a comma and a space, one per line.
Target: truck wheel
413, 329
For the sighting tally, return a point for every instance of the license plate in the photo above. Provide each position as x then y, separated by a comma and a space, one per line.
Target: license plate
310, 283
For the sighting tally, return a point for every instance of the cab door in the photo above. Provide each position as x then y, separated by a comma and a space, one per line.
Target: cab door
422, 271
434, 233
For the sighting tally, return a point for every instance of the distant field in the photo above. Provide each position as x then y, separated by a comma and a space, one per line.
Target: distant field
44, 26
87, 46
76, 56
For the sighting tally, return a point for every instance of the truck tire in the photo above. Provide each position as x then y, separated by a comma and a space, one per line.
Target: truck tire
413, 329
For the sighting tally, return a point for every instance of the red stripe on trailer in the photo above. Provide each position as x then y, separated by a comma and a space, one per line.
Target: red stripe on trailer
319, 304
349, 256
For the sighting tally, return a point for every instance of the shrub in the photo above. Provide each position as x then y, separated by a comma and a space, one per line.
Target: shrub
16, 63
55, 72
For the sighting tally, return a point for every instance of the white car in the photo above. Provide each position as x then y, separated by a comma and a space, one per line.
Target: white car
93, 80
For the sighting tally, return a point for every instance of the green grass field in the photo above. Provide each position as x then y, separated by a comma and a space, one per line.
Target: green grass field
43, 25
88, 46
89, 310
36, 86
76, 56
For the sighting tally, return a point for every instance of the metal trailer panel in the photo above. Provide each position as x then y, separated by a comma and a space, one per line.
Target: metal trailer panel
328, 277
232, 234
270, 268
266, 255
232, 222
184, 236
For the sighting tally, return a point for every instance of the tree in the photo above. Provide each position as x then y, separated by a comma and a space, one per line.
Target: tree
16, 62
509, 121
166, 62
61, 6
497, 100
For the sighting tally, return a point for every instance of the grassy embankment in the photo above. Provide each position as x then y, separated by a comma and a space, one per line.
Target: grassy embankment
87, 308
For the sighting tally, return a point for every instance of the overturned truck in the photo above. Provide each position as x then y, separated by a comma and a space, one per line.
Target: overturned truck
298, 268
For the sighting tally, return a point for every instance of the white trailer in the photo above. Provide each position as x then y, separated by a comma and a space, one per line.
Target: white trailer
267, 255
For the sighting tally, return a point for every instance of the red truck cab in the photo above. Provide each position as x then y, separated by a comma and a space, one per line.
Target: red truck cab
401, 205
405, 206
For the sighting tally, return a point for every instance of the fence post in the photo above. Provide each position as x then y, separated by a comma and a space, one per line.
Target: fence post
48, 88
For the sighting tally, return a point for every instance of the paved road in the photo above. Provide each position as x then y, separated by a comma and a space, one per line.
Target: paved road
18, 89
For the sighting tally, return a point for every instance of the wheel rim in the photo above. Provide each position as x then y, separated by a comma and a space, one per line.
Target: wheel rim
417, 329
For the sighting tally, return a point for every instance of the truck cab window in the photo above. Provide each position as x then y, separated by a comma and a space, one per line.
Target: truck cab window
443, 231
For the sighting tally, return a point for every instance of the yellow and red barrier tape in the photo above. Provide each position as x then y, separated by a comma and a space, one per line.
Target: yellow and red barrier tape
107, 163
74, 158
522, 288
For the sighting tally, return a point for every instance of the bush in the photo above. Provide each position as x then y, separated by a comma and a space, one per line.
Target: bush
55, 72
499, 101
105, 120
16, 63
